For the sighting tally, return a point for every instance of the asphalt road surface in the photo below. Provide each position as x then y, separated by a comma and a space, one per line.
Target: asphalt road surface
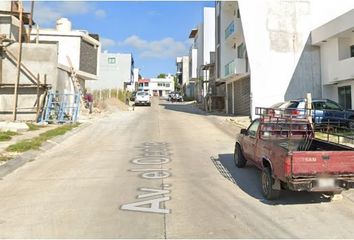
164, 171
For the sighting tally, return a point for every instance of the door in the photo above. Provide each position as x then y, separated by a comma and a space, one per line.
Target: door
345, 97
250, 141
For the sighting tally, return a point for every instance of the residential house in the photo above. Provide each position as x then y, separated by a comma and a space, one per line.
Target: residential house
277, 60
157, 86
232, 67
336, 42
77, 50
203, 43
115, 71
182, 73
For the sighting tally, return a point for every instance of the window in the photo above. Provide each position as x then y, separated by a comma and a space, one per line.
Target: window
241, 50
332, 106
167, 85
252, 130
111, 60
352, 51
146, 84
159, 84
238, 13
345, 96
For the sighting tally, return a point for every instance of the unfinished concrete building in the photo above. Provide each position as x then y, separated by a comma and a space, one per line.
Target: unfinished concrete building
40, 63
26, 69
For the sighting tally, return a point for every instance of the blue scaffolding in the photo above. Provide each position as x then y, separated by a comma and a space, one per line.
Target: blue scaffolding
61, 108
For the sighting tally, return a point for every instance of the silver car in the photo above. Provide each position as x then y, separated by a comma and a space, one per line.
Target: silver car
142, 98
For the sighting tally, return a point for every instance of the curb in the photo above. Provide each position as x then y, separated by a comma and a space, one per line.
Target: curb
13, 164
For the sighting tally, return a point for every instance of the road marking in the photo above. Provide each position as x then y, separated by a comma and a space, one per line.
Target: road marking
151, 160
152, 153
154, 206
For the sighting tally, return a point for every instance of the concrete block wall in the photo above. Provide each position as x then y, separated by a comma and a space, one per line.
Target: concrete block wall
39, 58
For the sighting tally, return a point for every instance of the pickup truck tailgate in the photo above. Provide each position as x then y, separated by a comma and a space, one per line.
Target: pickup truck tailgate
311, 163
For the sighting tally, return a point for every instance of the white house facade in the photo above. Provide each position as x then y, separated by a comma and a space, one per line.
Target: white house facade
232, 68
157, 86
203, 43
182, 73
336, 41
283, 62
116, 71
76, 48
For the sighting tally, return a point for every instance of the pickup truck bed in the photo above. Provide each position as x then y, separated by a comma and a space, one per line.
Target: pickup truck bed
295, 160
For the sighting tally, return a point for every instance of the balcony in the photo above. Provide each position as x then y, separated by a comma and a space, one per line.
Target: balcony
233, 31
237, 66
340, 70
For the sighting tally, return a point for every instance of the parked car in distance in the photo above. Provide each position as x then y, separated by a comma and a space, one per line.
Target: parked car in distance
289, 157
142, 98
175, 96
325, 111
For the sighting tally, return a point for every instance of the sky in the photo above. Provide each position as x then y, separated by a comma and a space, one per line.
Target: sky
154, 32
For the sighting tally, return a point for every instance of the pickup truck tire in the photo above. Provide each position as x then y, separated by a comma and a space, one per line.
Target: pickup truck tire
267, 185
239, 159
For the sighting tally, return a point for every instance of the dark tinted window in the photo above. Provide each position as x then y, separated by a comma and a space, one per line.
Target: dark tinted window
318, 105
345, 96
293, 105
332, 106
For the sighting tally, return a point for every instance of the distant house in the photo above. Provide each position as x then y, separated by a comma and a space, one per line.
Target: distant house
157, 86
336, 42
116, 71
182, 73
199, 55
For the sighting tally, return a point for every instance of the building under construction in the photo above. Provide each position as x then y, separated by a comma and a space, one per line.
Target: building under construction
43, 71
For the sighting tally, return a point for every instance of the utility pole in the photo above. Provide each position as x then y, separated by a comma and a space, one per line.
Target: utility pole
20, 9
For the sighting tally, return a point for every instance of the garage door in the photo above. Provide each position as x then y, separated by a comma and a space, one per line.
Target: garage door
242, 99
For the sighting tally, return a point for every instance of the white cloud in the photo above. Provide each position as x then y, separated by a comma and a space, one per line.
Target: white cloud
164, 48
107, 43
46, 13
100, 13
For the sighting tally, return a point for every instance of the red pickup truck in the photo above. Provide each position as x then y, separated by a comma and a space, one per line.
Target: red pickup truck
290, 157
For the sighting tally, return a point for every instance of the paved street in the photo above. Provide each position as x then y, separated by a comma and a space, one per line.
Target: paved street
164, 171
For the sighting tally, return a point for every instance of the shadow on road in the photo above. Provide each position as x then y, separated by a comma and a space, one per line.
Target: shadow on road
248, 179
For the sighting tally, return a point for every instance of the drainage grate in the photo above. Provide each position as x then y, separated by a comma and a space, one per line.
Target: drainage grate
223, 171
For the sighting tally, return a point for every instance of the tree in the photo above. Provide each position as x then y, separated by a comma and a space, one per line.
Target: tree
162, 75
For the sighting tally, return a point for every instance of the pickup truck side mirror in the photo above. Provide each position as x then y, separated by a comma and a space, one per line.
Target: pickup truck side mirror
243, 131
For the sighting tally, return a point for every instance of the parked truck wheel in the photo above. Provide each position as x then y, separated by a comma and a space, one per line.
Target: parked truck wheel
267, 185
239, 159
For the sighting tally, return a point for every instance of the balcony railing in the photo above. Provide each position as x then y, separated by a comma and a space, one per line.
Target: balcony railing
230, 29
230, 68
236, 66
